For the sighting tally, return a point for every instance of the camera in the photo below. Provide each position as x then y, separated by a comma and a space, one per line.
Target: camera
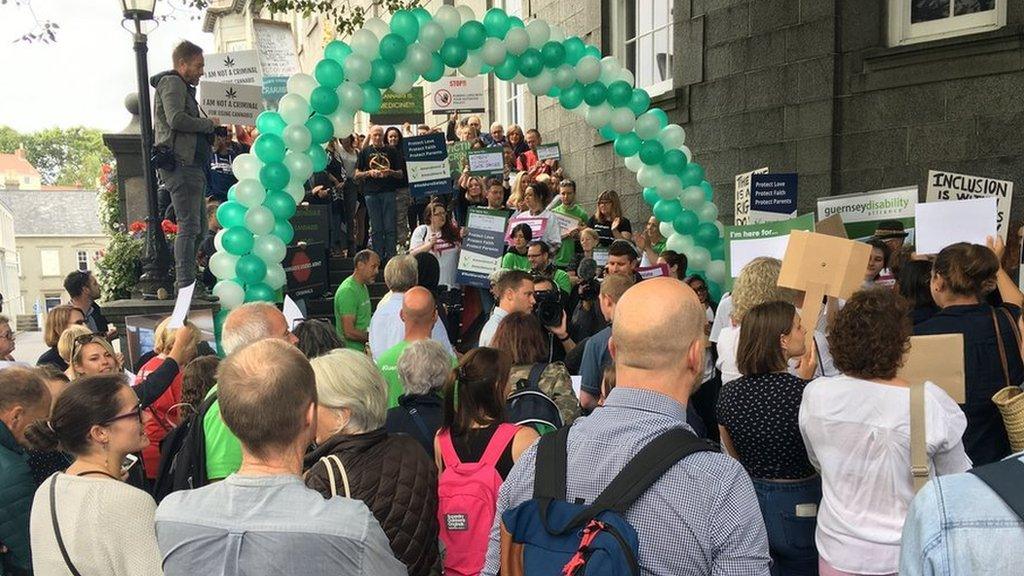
589, 289
548, 308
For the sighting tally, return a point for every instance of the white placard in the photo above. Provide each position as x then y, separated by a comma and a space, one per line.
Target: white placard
458, 94
940, 224
549, 152
242, 67
292, 313
566, 223
743, 251
577, 384
275, 45
232, 103
741, 211
181, 307
950, 186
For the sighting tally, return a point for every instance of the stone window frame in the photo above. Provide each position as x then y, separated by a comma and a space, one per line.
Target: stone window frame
82, 257
902, 32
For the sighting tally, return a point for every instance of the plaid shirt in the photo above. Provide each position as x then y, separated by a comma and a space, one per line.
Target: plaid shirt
701, 517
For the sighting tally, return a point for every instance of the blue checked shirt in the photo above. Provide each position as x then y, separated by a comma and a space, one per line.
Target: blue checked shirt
701, 517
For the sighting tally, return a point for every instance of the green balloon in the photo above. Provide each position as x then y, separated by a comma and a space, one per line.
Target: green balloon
382, 74
237, 240
280, 204
337, 50
608, 133
453, 53
709, 193
328, 72
508, 69
574, 50
496, 23
274, 176
531, 63
393, 46
674, 162
231, 195
593, 51
283, 230
718, 253
320, 128
651, 153
685, 222
553, 53
405, 24
269, 148
371, 99
692, 175
231, 214
706, 235
250, 269
260, 292
516, 22
571, 97
472, 35
627, 144
422, 15
640, 101
667, 210
661, 116
555, 92
270, 122
436, 69
594, 94
651, 196
319, 157
619, 93
324, 100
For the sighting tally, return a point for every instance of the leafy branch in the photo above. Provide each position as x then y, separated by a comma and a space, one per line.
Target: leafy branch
346, 18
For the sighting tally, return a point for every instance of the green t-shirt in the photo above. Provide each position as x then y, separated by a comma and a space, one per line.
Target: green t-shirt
352, 299
514, 261
658, 248
223, 450
387, 363
567, 251
562, 280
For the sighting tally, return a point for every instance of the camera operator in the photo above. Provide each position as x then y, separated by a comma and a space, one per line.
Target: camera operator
550, 310
586, 313
539, 254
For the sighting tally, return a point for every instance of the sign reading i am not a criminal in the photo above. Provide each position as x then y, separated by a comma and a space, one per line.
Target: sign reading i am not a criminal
232, 103
241, 67
950, 186
772, 197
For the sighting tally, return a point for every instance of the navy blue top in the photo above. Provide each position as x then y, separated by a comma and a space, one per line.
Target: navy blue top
985, 438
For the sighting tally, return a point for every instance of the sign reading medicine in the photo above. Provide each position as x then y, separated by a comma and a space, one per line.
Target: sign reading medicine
426, 160
232, 103
772, 197
455, 94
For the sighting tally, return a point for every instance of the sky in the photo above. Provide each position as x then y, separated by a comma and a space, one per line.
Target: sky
82, 79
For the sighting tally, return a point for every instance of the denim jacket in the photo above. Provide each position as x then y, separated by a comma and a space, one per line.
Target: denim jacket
957, 525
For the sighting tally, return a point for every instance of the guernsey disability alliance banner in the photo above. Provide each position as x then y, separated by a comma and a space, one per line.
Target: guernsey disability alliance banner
862, 212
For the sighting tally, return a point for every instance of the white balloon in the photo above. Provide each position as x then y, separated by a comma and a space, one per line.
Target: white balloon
275, 277
540, 85
465, 13
259, 220
626, 76
417, 56
557, 34
708, 212
293, 108
634, 163
698, 258
471, 68
365, 43
230, 293
297, 137
623, 120
218, 239
299, 165
648, 126
666, 229
669, 187
296, 191
564, 76
269, 248
716, 271
357, 68
609, 70
492, 52
648, 176
588, 70
222, 264
692, 198
721, 228
672, 136
377, 26
431, 35
246, 166
250, 192
404, 79
302, 84
599, 115
343, 122
539, 32
449, 19
517, 41
679, 243
351, 96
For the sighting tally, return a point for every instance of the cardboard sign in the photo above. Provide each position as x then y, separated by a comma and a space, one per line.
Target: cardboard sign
456, 94
305, 268
940, 224
241, 67
741, 212
398, 108
487, 161
549, 152
653, 271
938, 359
275, 46
744, 243
538, 225
232, 103
426, 161
950, 186
861, 213
831, 226
483, 246
773, 197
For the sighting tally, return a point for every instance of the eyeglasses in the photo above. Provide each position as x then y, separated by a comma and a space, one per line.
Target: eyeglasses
135, 413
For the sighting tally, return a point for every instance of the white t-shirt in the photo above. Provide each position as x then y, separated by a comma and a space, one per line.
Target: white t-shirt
388, 329
552, 232
857, 434
447, 254
722, 317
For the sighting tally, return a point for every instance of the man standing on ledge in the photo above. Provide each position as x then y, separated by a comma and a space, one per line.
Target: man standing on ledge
184, 136
352, 302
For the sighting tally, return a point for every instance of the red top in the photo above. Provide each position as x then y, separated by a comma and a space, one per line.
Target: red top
158, 418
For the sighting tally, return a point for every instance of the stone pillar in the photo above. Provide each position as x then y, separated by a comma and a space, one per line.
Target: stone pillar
126, 146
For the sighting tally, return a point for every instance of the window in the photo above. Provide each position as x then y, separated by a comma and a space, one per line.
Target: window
49, 261
83, 260
51, 301
912, 21
642, 37
510, 105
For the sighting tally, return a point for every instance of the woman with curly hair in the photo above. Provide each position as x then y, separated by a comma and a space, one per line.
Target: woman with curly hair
856, 427
440, 237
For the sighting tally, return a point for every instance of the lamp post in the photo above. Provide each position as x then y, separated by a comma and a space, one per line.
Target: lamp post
156, 258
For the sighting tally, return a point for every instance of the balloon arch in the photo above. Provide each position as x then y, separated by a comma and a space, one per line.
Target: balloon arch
350, 78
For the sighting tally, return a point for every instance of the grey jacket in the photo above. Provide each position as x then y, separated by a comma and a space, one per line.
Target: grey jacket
176, 121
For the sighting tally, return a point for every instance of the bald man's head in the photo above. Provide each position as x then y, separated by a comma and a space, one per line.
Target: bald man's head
418, 307
252, 322
656, 322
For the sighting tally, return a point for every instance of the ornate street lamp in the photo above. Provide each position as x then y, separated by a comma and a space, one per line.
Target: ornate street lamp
156, 259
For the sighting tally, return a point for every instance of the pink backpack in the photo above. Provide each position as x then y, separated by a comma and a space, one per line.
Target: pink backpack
467, 497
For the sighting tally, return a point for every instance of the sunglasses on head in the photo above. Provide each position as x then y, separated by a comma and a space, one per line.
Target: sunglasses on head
83, 340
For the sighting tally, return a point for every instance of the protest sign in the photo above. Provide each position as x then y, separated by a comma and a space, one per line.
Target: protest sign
862, 212
458, 156
939, 359
305, 270
241, 67
950, 186
398, 108
456, 94
275, 45
426, 162
940, 224
232, 103
538, 225
566, 223
600, 256
772, 197
549, 152
741, 211
483, 246
744, 243
487, 161
181, 306
653, 271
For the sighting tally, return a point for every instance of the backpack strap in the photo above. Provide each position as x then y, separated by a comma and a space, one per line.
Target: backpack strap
535, 373
1002, 349
501, 438
418, 421
919, 467
449, 456
552, 464
1004, 479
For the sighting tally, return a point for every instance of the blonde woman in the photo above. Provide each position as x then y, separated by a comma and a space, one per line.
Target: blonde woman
57, 320
608, 220
66, 347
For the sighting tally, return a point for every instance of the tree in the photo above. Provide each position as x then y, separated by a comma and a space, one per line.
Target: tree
63, 156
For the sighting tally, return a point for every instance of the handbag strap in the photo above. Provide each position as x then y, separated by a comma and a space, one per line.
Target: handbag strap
919, 467
56, 526
1002, 349
330, 475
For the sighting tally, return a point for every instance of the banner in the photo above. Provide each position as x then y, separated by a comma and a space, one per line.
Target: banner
275, 45
950, 186
483, 246
311, 223
549, 152
305, 269
232, 103
456, 94
400, 108
772, 197
742, 209
486, 161
458, 156
242, 67
862, 212
426, 161
744, 243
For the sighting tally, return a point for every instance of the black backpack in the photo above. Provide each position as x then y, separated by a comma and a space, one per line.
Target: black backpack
528, 406
183, 455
